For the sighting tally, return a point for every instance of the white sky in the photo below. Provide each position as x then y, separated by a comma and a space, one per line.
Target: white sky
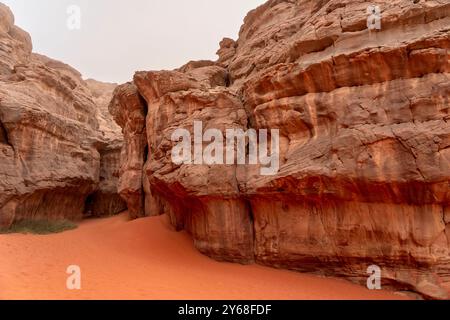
119, 37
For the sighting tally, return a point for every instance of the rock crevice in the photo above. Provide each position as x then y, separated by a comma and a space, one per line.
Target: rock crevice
4, 139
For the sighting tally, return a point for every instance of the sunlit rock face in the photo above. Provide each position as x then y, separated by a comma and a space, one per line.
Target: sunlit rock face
51, 143
364, 142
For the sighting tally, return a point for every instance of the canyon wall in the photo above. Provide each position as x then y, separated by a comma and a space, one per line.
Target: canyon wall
54, 147
364, 148
106, 200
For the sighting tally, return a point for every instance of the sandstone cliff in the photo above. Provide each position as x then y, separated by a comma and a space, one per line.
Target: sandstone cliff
365, 135
51, 146
106, 200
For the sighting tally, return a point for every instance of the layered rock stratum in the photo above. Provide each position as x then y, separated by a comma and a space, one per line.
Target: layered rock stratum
106, 200
365, 135
59, 147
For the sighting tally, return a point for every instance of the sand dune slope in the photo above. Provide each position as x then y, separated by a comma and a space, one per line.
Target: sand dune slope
144, 259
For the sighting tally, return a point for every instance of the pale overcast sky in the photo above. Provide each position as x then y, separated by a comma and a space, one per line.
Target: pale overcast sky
118, 37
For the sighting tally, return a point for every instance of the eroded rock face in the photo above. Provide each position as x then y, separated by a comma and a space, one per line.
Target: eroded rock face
49, 134
129, 111
15, 44
365, 135
106, 200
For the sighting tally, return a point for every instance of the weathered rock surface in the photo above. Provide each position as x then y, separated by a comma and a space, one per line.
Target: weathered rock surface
106, 200
365, 135
129, 111
49, 134
15, 45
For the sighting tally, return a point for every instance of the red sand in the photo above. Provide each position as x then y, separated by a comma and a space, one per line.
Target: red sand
144, 259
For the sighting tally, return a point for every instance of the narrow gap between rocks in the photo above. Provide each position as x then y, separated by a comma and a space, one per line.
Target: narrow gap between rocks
252, 221
88, 205
4, 139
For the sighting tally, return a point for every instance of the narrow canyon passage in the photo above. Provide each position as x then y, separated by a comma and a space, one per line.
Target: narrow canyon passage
144, 259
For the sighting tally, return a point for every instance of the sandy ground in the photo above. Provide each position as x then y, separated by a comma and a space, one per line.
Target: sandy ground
144, 259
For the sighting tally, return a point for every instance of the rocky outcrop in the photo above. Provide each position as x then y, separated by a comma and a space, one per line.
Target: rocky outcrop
15, 45
129, 111
364, 142
49, 133
106, 200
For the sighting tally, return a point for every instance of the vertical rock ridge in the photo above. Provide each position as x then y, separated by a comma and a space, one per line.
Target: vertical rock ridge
129, 111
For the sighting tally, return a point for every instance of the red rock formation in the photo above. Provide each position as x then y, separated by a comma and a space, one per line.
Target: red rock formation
129, 111
106, 200
49, 135
365, 161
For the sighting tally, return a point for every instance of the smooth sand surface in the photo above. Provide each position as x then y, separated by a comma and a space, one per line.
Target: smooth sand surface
144, 259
